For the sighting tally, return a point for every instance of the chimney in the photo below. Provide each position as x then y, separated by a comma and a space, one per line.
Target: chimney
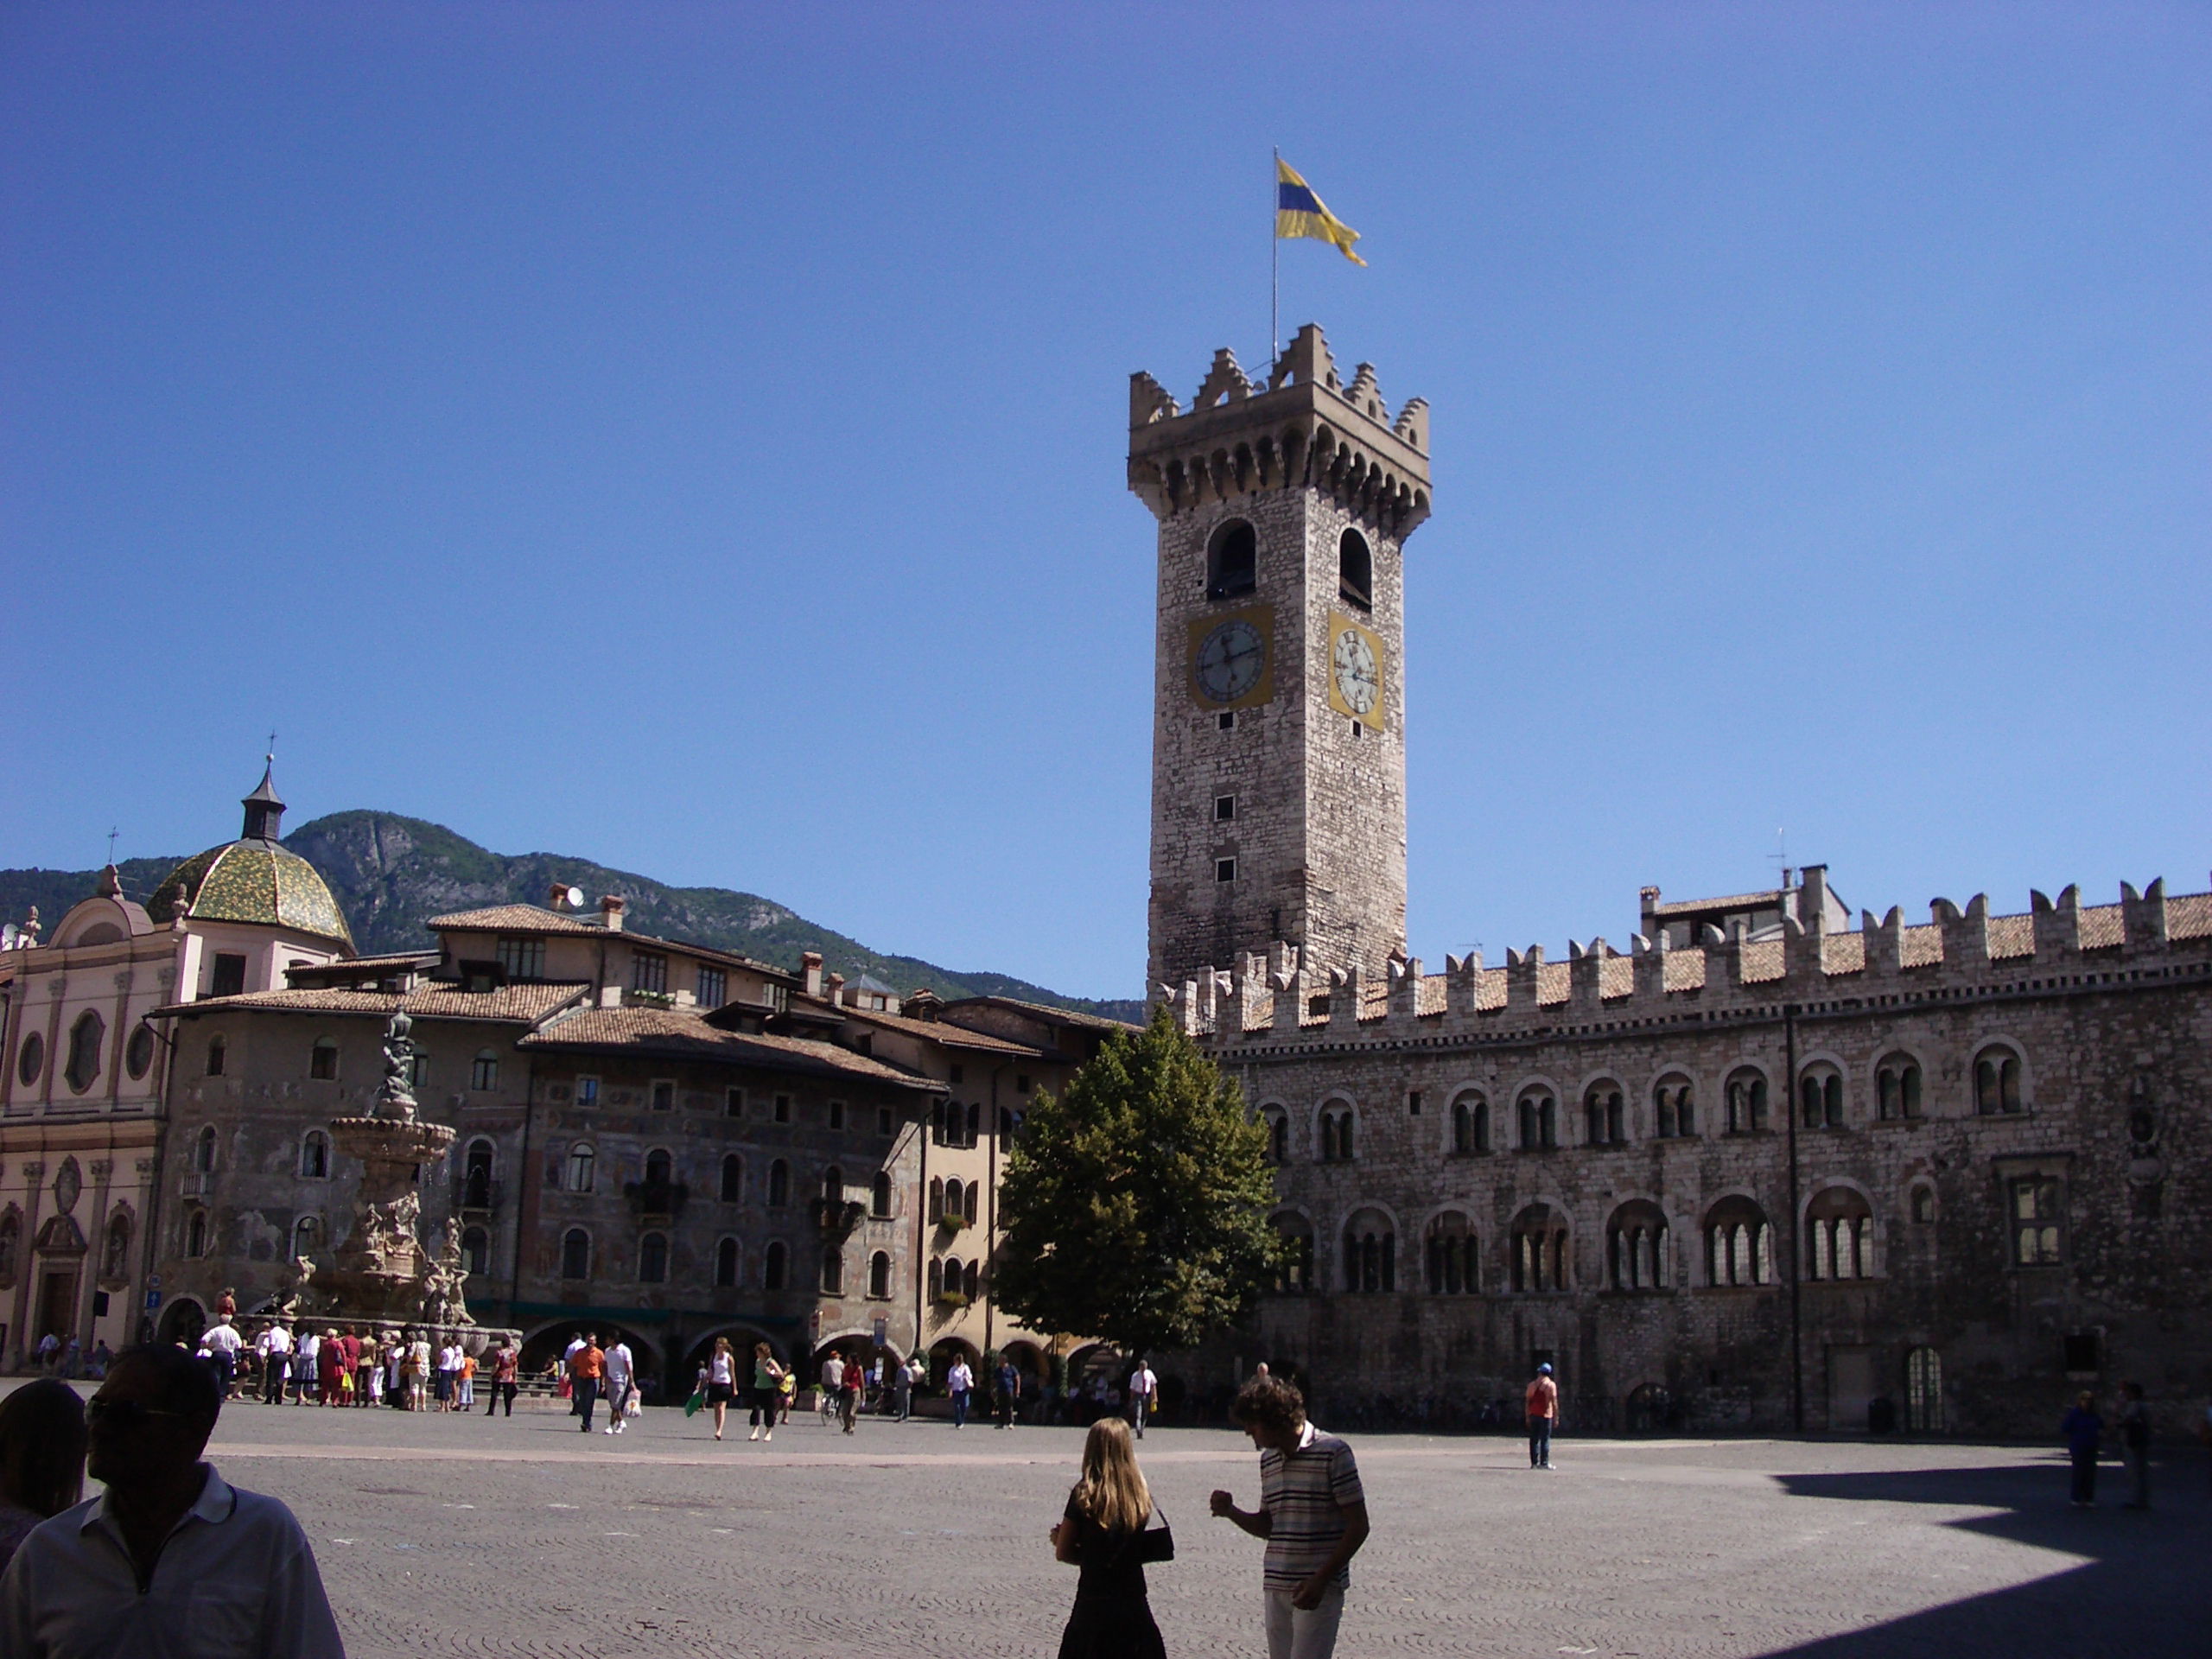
610, 911
558, 899
809, 968
836, 990
922, 1004
1648, 919
1813, 898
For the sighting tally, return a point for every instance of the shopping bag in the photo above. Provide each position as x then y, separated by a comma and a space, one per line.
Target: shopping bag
697, 1400
563, 1389
634, 1405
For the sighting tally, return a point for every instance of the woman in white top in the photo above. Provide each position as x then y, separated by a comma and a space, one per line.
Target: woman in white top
721, 1381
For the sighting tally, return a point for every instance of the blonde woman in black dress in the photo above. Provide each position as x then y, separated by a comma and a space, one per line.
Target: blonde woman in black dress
1103, 1531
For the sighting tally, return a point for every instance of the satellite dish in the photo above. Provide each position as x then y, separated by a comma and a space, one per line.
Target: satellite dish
575, 897
9, 934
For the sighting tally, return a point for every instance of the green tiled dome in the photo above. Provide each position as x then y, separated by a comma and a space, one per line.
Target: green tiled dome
253, 882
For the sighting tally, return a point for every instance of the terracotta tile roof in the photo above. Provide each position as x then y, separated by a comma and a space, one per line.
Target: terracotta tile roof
2189, 916
1489, 988
2102, 926
1429, 995
512, 1004
1616, 978
1763, 962
687, 1036
515, 919
365, 967
1685, 970
934, 1030
1047, 1011
1843, 953
1920, 947
1553, 982
2012, 936
1767, 900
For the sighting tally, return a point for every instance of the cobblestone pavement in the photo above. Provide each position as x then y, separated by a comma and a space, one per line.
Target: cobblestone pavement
464, 1535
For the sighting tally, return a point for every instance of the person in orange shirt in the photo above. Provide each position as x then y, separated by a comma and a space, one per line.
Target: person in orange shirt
586, 1368
1541, 1407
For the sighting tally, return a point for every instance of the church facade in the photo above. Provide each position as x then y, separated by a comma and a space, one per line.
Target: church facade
1765, 1168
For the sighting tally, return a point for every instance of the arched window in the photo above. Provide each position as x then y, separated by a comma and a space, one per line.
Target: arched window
652, 1259
1294, 1269
30, 1058
1924, 1391
85, 1050
879, 1274
476, 1176
726, 1264
314, 1155
1839, 1236
833, 1273
936, 1200
115, 1261
575, 1253
1897, 1088
484, 1071
217, 1051
1673, 1108
1540, 1259
1996, 1081
1354, 570
583, 1162
1454, 1265
1923, 1203
775, 1266
1739, 1244
322, 1059
1820, 1097
833, 1184
195, 1234
779, 1185
475, 1250
203, 1150
1746, 1099
658, 1167
1604, 1115
1232, 561
879, 1196
955, 1199
1635, 1247
138, 1053
1470, 1123
1336, 1143
1370, 1253
732, 1188
1278, 1126
1539, 1121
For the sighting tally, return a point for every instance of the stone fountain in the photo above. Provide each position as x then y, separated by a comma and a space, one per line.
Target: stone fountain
382, 1278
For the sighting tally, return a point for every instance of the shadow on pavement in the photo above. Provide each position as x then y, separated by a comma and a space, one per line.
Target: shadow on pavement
2141, 1592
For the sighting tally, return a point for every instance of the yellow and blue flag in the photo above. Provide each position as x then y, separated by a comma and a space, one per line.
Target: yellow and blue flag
1299, 212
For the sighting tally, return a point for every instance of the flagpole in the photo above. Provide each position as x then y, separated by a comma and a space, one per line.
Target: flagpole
1274, 257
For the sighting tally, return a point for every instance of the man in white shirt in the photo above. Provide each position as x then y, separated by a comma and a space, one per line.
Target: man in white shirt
223, 1343
621, 1372
832, 1380
275, 1345
172, 1559
1144, 1390
960, 1382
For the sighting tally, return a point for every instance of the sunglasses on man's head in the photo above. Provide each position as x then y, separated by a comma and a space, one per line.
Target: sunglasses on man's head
124, 1413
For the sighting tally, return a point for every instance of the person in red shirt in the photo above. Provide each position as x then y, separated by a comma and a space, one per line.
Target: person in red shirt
1541, 1407
506, 1363
586, 1369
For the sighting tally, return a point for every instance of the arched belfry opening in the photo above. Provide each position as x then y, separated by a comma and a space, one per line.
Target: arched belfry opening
1232, 561
1354, 570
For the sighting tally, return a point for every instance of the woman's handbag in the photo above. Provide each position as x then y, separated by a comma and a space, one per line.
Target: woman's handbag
563, 1389
698, 1399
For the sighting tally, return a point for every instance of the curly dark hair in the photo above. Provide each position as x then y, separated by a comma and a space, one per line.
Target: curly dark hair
1269, 1403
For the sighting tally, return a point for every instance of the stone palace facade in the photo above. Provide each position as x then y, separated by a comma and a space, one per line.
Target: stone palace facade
1766, 1168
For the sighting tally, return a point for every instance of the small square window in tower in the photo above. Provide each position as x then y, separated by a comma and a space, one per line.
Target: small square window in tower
1225, 869
1225, 809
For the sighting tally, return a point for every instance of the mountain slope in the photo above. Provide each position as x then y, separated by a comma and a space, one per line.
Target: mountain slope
390, 875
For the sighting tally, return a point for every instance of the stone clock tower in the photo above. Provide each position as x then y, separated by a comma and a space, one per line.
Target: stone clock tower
1279, 720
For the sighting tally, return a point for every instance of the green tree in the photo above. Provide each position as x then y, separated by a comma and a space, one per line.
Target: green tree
1135, 1205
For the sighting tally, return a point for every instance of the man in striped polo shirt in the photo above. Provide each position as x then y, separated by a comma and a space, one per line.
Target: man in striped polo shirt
1313, 1513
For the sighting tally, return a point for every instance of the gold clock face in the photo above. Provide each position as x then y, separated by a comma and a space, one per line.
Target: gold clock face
1232, 657
1356, 668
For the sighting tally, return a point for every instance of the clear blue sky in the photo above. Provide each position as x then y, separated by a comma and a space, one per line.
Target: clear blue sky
691, 436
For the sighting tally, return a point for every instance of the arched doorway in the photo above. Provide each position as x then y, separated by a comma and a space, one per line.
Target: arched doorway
943, 1353
182, 1321
1649, 1410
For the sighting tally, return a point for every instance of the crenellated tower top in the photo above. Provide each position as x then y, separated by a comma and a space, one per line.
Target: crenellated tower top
1301, 426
